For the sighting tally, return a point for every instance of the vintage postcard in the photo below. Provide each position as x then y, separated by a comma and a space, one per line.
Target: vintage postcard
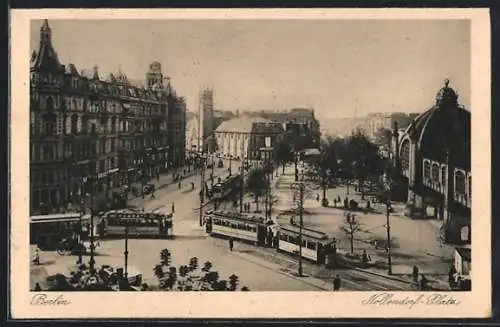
250, 163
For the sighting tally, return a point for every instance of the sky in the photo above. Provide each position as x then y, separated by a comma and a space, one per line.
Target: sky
341, 68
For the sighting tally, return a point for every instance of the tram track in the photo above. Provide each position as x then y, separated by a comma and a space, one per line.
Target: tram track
353, 279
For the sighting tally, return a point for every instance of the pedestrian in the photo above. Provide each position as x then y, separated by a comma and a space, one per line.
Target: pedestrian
375, 243
346, 202
423, 283
336, 283
317, 197
451, 276
291, 221
173, 207
38, 288
192, 185
415, 274
157, 176
153, 193
179, 185
231, 244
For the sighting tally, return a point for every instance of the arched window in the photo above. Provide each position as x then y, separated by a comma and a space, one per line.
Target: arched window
460, 182
405, 155
435, 173
427, 170
49, 124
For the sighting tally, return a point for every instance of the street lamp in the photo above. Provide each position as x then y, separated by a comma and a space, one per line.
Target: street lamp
125, 253
388, 227
202, 189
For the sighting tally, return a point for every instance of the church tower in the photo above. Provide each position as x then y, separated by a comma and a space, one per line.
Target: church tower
154, 76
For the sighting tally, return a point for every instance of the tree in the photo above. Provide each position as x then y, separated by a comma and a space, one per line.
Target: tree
351, 227
326, 165
362, 158
284, 153
190, 278
257, 183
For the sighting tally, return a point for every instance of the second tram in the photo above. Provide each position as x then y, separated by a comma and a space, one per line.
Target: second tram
240, 226
314, 243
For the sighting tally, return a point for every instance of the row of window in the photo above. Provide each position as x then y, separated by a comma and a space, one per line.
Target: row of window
133, 222
312, 245
437, 174
235, 225
50, 102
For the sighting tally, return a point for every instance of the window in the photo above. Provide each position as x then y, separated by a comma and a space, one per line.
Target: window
112, 145
50, 104
443, 175
48, 152
49, 124
311, 245
405, 155
427, 170
74, 124
102, 167
93, 127
460, 182
435, 172
113, 124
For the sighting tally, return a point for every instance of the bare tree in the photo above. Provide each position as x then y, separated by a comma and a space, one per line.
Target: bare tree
351, 227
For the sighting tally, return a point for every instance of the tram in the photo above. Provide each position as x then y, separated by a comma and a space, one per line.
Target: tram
245, 227
139, 225
47, 231
226, 187
314, 243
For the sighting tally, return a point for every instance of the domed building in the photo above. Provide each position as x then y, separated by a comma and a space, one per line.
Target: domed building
434, 160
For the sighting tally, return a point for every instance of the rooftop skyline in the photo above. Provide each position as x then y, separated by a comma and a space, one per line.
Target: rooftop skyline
338, 67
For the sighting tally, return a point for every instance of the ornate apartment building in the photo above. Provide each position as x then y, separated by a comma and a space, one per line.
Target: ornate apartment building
85, 128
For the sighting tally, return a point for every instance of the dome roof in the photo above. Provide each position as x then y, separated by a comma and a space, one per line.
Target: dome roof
445, 128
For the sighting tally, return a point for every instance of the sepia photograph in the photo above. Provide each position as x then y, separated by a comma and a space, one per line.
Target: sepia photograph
251, 155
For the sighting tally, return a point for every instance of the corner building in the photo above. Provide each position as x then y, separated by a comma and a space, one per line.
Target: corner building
106, 130
433, 158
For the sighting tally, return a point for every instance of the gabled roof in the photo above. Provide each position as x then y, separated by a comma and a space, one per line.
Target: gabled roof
243, 124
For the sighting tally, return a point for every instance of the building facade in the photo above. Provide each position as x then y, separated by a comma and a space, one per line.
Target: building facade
434, 159
84, 127
245, 136
207, 119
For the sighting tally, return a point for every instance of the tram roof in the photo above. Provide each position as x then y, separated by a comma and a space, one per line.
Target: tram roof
58, 217
238, 216
139, 215
305, 232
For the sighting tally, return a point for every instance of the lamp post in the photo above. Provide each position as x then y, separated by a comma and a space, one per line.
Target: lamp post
388, 227
125, 253
202, 189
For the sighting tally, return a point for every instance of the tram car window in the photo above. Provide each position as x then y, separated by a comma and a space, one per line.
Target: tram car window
313, 242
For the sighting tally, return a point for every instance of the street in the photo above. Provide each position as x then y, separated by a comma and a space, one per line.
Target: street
189, 241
